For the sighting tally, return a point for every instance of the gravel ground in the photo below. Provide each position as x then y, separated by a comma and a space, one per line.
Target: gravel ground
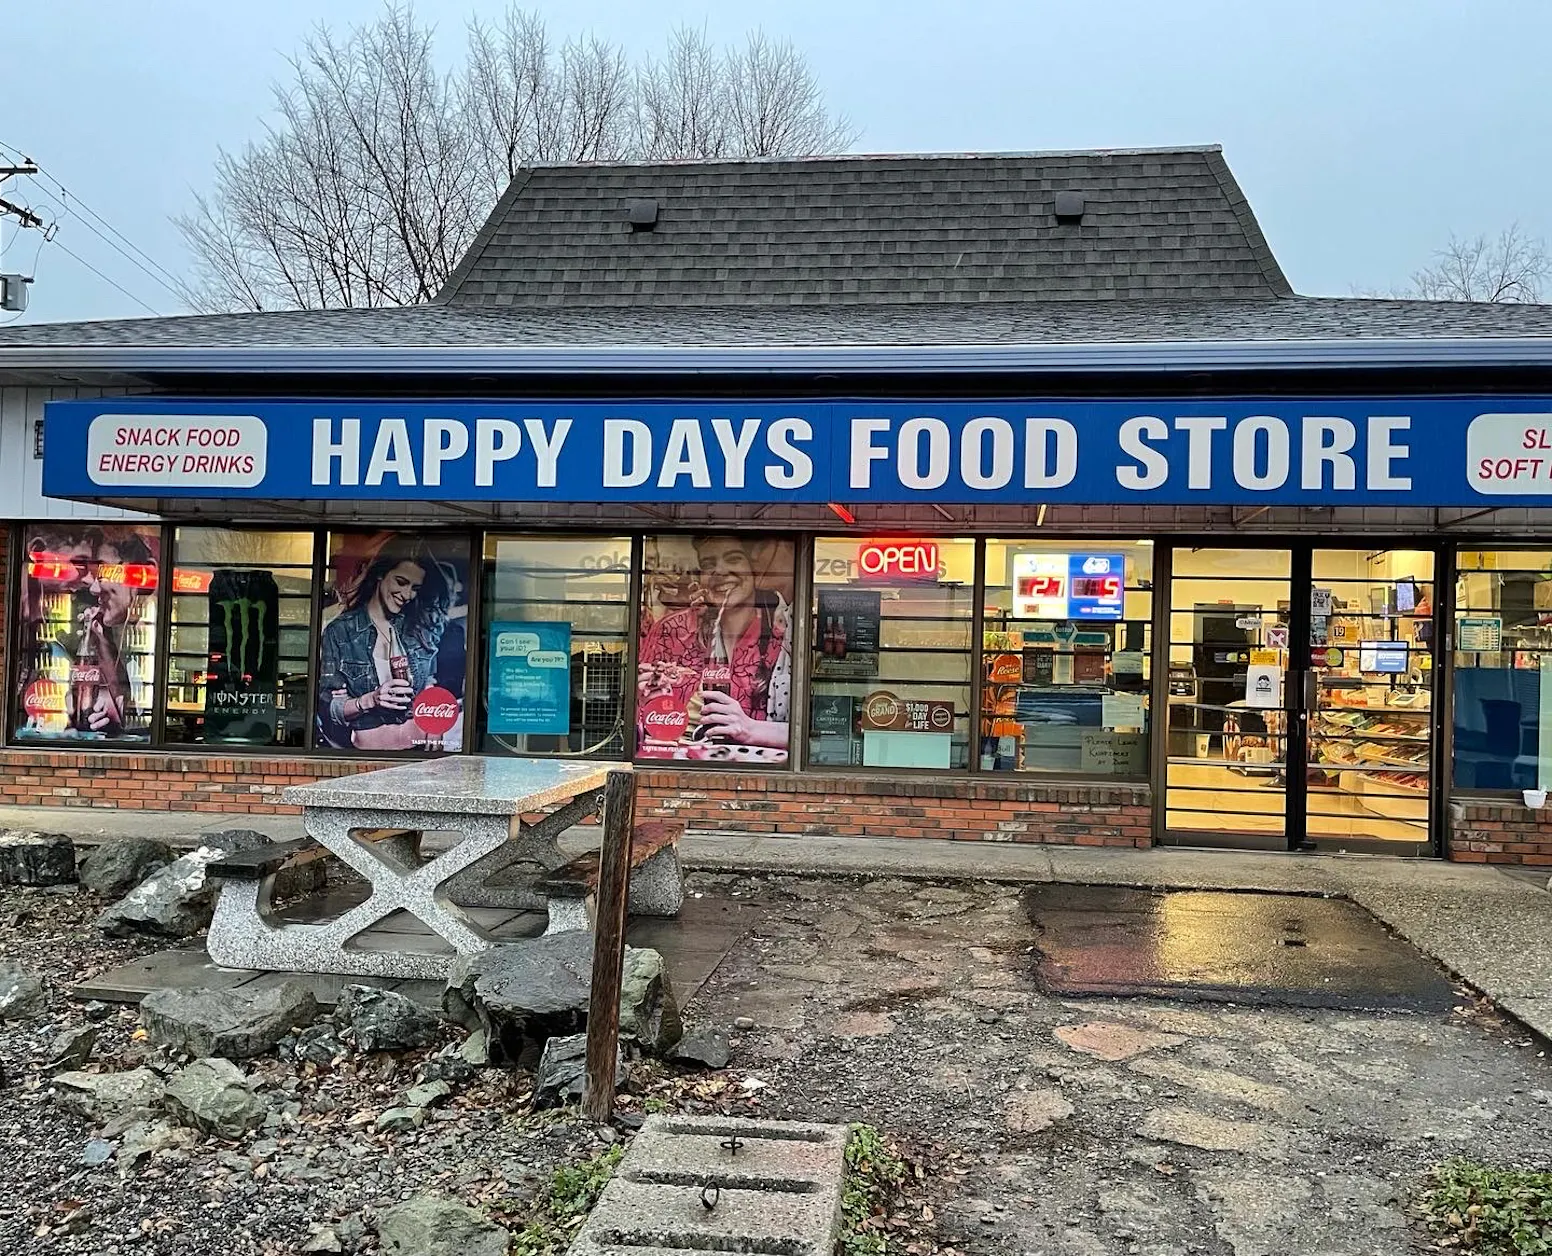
1035, 1125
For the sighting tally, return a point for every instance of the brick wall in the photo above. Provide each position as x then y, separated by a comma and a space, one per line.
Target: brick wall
847, 806
1481, 831
996, 811
1500, 831
161, 782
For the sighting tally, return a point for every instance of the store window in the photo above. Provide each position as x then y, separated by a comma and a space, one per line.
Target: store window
86, 633
239, 639
714, 663
891, 653
555, 615
393, 652
1067, 634
1503, 670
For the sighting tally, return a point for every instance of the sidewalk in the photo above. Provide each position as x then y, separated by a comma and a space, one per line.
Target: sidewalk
1490, 927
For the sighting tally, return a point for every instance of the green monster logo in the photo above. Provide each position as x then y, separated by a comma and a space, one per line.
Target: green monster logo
237, 614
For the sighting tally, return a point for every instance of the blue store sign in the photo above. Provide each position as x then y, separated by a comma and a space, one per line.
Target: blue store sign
530, 678
1457, 451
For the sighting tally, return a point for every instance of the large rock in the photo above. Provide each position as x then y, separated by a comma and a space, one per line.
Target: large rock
648, 1012
428, 1225
115, 868
31, 858
98, 1096
703, 1048
21, 994
522, 993
561, 1071
381, 1020
215, 1097
173, 903
227, 1022
178, 901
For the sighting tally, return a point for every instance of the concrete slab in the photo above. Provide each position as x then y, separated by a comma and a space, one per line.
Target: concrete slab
1488, 926
718, 1184
1268, 950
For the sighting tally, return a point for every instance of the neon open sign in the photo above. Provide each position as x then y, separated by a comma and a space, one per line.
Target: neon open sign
898, 560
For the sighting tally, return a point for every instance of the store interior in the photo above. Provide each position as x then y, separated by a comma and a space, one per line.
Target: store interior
1368, 668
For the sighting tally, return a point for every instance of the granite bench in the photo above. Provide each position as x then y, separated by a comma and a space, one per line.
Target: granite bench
656, 880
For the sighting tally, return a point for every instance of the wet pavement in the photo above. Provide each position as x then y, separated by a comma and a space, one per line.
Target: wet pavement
1089, 1126
1263, 950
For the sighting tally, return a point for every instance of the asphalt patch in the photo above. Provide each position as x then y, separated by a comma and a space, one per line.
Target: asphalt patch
1275, 950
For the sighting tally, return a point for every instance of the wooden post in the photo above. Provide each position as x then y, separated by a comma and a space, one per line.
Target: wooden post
603, 1013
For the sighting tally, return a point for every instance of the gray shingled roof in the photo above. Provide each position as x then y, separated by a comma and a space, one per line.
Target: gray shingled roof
987, 323
873, 230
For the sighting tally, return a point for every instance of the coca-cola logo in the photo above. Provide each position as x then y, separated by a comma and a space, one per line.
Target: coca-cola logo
663, 720
85, 674
39, 698
717, 674
435, 711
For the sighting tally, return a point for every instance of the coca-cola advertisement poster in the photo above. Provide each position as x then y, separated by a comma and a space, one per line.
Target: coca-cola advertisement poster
846, 635
87, 632
714, 664
394, 649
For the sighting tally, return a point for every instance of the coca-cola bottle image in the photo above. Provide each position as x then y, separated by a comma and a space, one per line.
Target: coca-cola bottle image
86, 668
398, 659
840, 636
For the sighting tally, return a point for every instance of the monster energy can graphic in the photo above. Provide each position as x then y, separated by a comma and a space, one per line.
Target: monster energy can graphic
244, 669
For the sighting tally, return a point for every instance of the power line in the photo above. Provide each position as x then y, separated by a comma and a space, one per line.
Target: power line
114, 283
147, 264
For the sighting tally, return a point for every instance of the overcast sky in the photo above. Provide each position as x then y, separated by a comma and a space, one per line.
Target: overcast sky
1364, 132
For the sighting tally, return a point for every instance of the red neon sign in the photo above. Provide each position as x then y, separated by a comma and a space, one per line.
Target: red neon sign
898, 560
185, 580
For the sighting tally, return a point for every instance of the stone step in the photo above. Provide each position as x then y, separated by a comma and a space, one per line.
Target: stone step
683, 1186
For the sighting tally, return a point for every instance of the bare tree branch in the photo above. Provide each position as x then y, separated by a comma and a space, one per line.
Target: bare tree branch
377, 169
1509, 268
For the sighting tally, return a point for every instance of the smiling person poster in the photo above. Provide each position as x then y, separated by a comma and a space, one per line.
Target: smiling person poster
714, 674
394, 644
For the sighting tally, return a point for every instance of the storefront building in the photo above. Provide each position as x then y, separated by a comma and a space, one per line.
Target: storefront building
1043, 513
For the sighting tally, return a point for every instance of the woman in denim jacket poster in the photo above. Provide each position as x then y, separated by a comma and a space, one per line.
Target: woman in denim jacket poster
380, 651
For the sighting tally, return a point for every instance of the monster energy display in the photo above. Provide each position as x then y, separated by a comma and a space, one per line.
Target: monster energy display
244, 657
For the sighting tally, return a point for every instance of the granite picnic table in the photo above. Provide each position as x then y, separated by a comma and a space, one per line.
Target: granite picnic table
374, 822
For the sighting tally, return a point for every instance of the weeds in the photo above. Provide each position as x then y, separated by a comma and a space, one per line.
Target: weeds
1494, 1212
555, 1217
874, 1174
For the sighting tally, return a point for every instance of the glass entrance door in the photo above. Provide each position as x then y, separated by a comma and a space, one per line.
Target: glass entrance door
1226, 777
1369, 690
1301, 686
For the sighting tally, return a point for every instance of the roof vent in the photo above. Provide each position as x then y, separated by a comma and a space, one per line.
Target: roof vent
1069, 207
641, 215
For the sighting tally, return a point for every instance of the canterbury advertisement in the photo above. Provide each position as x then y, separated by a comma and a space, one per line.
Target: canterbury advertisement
244, 669
87, 633
394, 649
714, 678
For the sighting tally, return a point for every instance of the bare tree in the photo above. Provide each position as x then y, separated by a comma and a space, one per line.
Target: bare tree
775, 105
1509, 268
377, 169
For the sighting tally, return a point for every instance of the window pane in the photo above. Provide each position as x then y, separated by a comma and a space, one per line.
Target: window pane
86, 633
1503, 669
555, 616
891, 653
239, 637
1065, 662
714, 675
394, 647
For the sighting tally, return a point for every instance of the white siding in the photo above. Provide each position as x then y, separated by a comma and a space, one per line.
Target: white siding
21, 474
